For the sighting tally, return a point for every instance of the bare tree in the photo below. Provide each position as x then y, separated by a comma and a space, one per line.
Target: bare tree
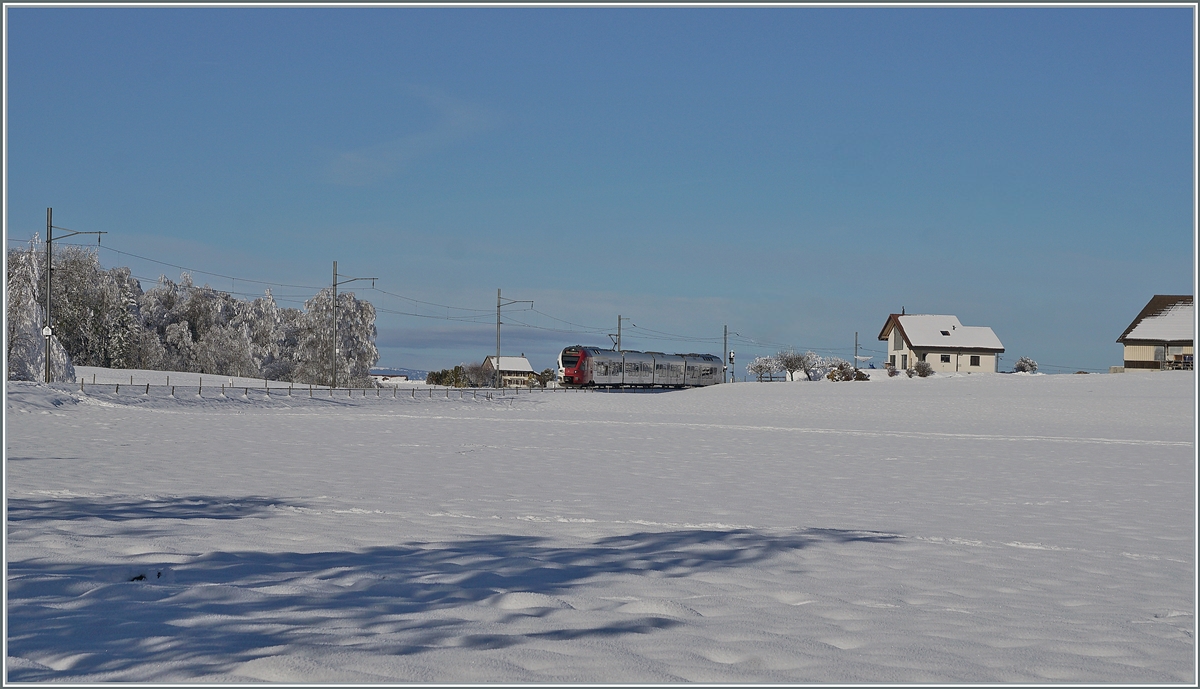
762, 366
790, 361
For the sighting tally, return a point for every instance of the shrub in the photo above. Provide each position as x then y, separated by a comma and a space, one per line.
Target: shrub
1025, 365
922, 369
844, 370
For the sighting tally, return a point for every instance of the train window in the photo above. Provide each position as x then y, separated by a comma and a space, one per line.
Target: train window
569, 359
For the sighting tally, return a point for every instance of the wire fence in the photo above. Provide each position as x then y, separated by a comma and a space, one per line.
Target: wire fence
224, 390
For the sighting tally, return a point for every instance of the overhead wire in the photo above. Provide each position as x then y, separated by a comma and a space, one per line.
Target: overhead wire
473, 315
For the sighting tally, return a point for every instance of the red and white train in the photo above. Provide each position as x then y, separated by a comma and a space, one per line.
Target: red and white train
580, 366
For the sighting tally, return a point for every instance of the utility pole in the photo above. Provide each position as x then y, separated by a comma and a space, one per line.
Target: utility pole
617, 337
496, 373
334, 347
503, 302
856, 352
725, 348
47, 331
333, 359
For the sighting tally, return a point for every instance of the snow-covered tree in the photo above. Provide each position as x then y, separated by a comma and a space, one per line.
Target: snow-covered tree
283, 365
263, 327
763, 366
789, 360
181, 349
478, 376
25, 346
1025, 365
123, 328
356, 352
226, 350
103, 318
808, 362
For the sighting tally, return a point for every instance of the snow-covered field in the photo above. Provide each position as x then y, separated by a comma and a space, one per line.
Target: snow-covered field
1005, 528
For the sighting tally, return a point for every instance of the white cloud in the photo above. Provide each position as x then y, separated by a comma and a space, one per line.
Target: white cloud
457, 120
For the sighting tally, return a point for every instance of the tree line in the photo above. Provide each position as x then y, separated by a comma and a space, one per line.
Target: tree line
476, 376
812, 365
104, 318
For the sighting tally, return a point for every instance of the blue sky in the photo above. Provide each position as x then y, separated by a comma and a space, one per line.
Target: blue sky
794, 173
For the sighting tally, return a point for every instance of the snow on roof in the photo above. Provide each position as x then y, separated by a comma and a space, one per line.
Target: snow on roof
1166, 318
927, 330
511, 363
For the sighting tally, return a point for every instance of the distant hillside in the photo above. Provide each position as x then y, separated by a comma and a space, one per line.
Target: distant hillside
412, 373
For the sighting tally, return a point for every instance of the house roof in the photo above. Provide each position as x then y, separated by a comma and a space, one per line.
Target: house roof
510, 364
1166, 318
929, 331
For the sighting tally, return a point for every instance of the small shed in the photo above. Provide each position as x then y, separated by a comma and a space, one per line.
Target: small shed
1162, 336
942, 342
515, 371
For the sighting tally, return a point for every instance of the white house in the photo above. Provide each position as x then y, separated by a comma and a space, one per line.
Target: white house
515, 371
942, 342
392, 380
1161, 337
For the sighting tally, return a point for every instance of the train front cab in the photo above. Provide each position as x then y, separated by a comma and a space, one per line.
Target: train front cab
575, 366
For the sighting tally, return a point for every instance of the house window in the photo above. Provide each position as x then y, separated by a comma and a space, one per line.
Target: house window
946, 333
892, 361
974, 359
897, 340
903, 361
945, 358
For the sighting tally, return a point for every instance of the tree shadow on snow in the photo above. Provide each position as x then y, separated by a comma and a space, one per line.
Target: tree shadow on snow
222, 609
127, 509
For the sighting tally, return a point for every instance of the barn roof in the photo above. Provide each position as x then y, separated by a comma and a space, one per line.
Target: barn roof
510, 364
940, 332
1166, 318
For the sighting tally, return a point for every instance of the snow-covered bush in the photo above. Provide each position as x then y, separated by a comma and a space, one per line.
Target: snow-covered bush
923, 369
842, 370
1025, 365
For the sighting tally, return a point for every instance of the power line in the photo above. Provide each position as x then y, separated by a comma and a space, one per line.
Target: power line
191, 270
511, 320
472, 316
577, 325
292, 299
430, 303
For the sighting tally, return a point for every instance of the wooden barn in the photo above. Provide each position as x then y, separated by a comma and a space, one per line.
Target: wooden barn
1161, 337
